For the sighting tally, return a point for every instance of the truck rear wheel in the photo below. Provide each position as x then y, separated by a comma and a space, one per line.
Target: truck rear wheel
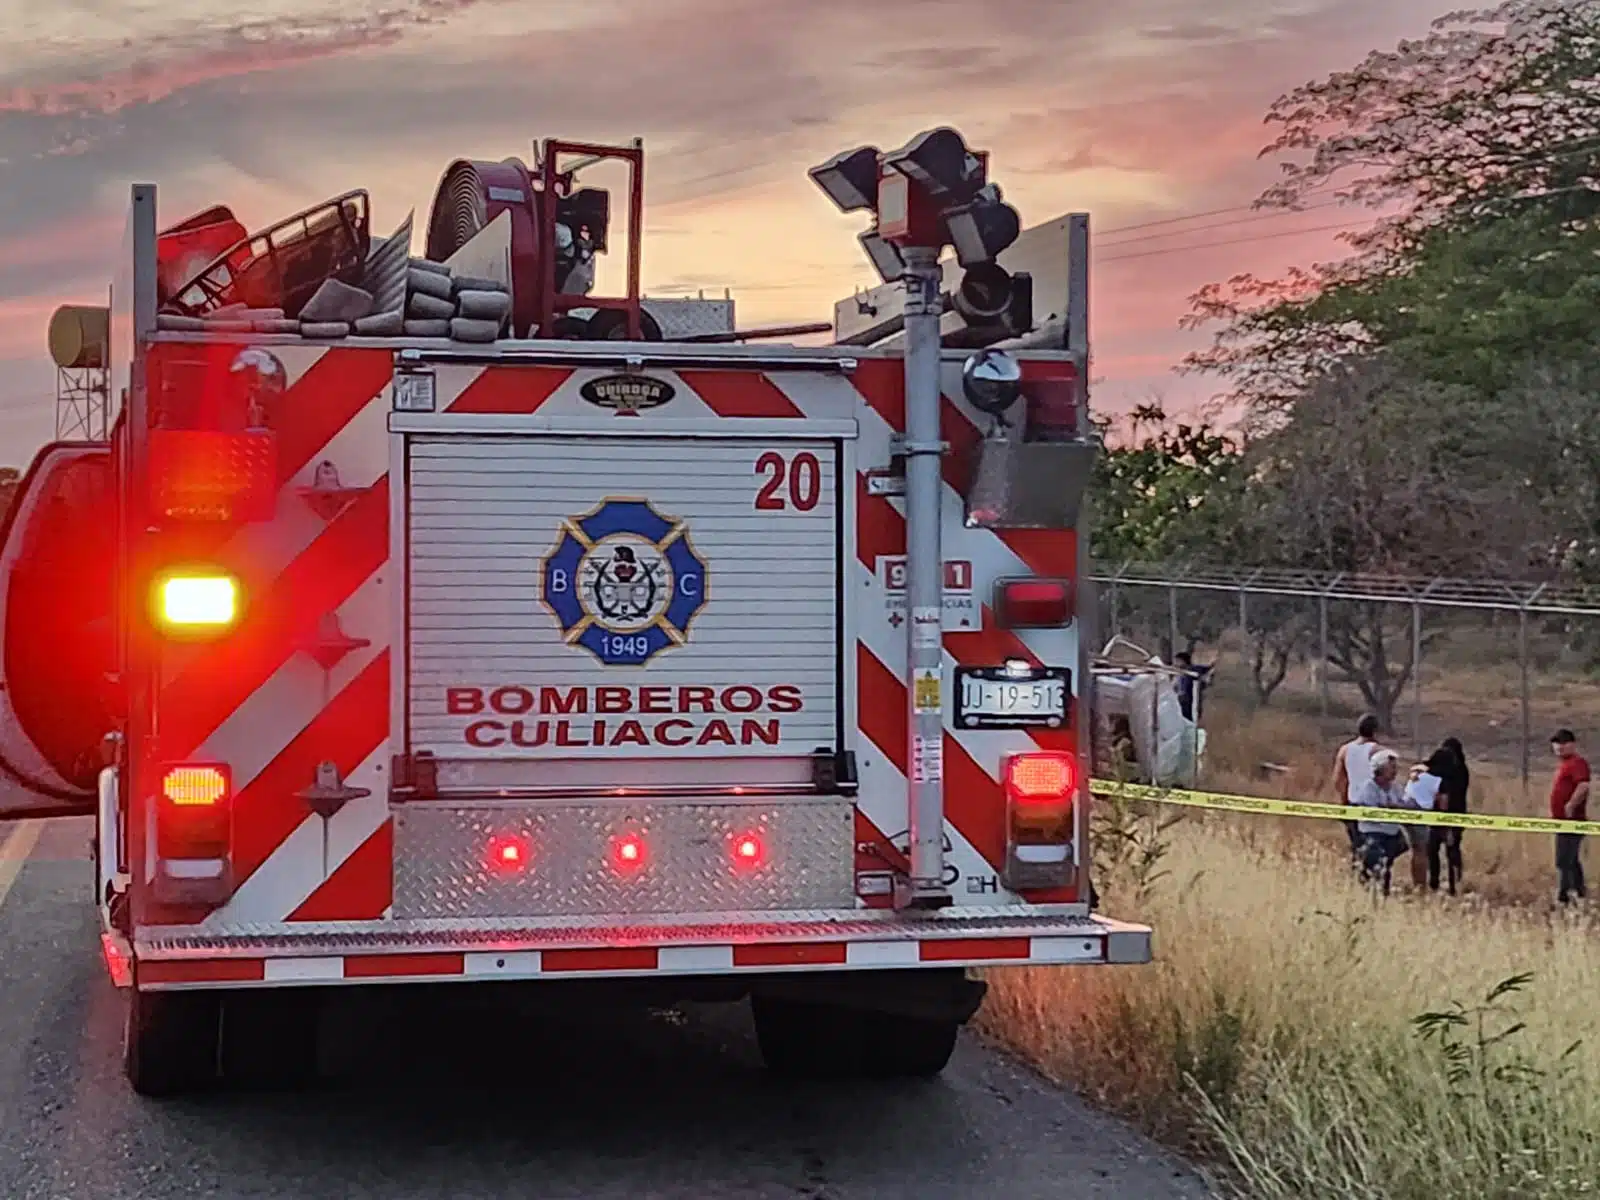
826, 1041
169, 1041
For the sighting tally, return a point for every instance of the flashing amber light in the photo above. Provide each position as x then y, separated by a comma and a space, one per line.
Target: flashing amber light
197, 601
194, 787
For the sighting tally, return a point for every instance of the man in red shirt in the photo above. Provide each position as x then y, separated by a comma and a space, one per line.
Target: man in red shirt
1569, 801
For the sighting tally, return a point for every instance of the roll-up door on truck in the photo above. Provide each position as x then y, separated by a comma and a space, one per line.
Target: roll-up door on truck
597, 608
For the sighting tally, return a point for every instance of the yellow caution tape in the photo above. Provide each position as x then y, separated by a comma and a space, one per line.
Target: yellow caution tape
1336, 812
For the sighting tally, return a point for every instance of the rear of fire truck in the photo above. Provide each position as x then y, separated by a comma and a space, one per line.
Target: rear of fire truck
425, 660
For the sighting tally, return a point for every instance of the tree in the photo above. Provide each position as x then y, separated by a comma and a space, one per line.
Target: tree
1371, 473
1276, 633
1480, 146
1425, 405
1493, 106
1166, 492
1176, 491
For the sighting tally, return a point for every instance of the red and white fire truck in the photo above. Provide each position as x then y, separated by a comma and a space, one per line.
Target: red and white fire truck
502, 638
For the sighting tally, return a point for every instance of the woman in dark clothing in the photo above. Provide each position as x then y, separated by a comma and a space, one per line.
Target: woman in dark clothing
1449, 762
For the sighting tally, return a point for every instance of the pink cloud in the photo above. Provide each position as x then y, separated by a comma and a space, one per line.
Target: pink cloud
732, 101
242, 49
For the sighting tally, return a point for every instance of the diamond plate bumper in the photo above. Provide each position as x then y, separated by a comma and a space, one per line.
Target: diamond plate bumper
441, 950
443, 868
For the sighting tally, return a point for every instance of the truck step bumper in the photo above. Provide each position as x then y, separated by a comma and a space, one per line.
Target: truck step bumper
439, 951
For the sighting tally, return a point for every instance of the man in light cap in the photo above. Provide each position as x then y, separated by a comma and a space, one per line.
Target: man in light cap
1382, 841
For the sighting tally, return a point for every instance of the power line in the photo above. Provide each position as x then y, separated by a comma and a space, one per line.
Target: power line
1257, 215
1153, 237
1260, 237
1582, 148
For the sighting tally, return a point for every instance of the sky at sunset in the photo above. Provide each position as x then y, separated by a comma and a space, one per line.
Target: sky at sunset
1137, 111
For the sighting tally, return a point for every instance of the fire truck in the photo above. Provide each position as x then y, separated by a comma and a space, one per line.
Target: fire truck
426, 619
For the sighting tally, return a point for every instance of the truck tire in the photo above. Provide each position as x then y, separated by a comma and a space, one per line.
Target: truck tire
269, 1038
824, 1041
169, 1041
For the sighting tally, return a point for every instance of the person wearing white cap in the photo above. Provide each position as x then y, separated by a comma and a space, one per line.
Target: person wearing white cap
1382, 841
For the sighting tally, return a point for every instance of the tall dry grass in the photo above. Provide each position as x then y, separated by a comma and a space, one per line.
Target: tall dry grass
1284, 1031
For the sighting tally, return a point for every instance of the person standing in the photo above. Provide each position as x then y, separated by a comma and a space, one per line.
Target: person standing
1452, 762
1352, 767
1422, 793
1190, 684
1382, 841
1569, 801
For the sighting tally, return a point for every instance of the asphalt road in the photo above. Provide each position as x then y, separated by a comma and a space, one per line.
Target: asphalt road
475, 1103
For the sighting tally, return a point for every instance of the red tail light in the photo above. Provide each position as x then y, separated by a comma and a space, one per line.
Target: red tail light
509, 854
628, 853
749, 851
194, 833
207, 475
1041, 797
1042, 780
1033, 603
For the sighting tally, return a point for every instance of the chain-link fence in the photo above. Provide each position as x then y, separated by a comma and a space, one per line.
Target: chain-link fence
1497, 663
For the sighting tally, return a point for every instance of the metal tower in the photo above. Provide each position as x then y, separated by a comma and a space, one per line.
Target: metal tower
79, 341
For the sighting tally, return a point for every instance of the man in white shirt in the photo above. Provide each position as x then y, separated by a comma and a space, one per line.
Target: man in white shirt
1352, 767
1382, 841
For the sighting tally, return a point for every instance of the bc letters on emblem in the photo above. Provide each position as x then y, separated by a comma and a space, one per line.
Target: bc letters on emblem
624, 582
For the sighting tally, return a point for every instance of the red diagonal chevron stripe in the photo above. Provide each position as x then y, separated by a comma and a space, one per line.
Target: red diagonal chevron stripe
326, 399
286, 611
880, 529
345, 733
882, 383
740, 394
362, 886
971, 798
510, 389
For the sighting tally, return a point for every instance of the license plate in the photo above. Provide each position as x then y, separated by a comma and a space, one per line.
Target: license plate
998, 697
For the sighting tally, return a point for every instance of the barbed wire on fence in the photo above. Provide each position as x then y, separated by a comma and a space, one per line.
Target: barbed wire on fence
1524, 598
1503, 595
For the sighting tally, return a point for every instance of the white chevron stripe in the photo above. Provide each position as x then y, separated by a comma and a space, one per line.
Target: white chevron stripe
277, 712
296, 868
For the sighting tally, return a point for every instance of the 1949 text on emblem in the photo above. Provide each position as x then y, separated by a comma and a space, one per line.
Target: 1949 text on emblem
624, 582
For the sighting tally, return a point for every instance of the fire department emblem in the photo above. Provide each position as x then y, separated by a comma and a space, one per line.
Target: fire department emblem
624, 582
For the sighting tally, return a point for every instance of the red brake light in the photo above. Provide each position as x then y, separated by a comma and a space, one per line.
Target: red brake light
1041, 794
749, 850
207, 475
1041, 780
628, 852
1033, 603
509, 854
